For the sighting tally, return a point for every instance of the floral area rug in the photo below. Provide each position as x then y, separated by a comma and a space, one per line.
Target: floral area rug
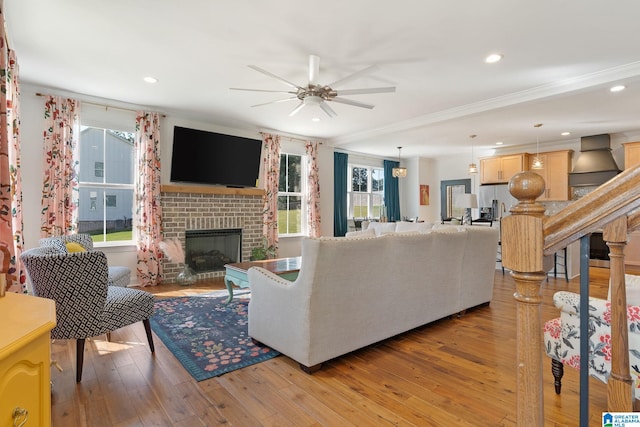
207, 335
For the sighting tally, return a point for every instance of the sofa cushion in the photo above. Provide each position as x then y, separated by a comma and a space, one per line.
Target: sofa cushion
404, 226
382, 227
443, 228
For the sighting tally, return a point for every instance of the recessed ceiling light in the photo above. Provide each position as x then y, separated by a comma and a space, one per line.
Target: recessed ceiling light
565, 133
150, 79
617, 88
315, 119
493, 58
499, 143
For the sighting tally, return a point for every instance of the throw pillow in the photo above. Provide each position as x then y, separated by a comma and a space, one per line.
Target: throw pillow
382, 227
632, 288
74, 247
361, 233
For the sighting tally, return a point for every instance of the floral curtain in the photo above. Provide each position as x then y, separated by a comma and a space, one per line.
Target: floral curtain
11, 230
60, 195
147, 198
270, 175
313, 200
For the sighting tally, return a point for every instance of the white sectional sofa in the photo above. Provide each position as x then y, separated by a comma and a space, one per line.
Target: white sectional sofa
352, 292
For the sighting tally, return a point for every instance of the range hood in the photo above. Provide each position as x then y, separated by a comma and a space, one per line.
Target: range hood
595, 164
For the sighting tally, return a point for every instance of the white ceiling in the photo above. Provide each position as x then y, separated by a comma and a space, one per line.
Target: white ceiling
560, 58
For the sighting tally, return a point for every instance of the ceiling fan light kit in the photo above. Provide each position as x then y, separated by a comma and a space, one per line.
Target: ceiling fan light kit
314, 94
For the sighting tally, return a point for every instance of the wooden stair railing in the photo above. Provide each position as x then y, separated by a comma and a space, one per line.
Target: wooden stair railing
529, 239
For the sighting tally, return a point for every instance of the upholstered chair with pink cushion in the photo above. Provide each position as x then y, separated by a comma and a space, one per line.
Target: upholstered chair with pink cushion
562, 335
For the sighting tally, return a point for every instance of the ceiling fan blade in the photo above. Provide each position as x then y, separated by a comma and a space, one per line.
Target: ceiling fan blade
295, 110
354, 103
276, 102
263, 90
328, 109
260, 70
314, 69
366, 91
354, 76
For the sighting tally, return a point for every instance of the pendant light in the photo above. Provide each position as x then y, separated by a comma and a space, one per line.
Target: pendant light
537, 160
399, 172
472, 166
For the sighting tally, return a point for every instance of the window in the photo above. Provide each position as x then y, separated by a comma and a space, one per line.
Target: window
99, 169
291, 191
365, 192
106, 188
110, 200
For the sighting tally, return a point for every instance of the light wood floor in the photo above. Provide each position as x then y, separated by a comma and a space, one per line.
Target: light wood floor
453, 372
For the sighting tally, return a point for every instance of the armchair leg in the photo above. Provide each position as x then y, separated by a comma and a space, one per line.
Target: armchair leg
147, 329
79, 358
557, 369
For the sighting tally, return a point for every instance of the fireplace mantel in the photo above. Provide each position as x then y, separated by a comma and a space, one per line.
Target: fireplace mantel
202, 189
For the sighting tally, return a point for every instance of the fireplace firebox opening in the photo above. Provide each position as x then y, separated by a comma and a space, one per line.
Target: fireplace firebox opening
210, 250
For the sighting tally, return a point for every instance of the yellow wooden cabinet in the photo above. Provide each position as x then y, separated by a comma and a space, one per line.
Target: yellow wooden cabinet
631, 154
555, 171
25, 357
498, 170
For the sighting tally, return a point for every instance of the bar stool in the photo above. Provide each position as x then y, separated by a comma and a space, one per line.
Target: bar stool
560, 260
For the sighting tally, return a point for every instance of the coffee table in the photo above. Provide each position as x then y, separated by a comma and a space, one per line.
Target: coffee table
236, 273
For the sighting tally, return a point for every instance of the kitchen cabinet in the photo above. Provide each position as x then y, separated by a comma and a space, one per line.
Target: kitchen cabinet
498, 170
632, 249
631, 154
555, 171
25, 358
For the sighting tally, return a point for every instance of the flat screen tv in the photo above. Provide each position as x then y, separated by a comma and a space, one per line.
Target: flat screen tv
212, 158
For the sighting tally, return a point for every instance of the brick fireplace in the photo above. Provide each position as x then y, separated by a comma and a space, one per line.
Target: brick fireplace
210, 208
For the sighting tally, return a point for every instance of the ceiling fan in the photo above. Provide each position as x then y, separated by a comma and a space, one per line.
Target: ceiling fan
317, 94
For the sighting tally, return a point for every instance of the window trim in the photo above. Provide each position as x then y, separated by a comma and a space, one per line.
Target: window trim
105, 187
370, 193
303, 194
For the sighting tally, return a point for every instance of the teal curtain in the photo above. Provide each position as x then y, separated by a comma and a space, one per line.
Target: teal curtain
391, 193
340, 168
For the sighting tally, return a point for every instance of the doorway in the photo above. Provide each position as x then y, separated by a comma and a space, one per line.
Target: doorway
449, 190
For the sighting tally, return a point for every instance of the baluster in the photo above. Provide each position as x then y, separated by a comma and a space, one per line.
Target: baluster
620, 384
522, 252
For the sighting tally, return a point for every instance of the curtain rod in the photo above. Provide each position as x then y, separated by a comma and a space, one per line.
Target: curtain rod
291, 138
106, 106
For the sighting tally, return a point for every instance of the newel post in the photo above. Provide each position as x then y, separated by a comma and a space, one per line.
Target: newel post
522, 252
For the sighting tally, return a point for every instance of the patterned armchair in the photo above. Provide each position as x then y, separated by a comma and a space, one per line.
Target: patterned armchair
562, 335
85, 305
118, 275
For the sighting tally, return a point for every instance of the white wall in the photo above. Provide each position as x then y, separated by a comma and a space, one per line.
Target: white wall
427, 171
32, 113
